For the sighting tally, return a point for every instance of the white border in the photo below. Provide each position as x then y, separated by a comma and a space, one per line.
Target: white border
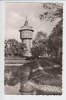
2, 31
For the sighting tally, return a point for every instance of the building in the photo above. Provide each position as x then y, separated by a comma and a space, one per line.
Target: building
26, 35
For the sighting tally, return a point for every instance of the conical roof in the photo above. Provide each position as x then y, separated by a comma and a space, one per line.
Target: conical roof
26, 26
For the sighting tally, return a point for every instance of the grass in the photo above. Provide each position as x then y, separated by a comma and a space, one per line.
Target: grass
48, 67
55, 60
24, 73
52, 80
16, 61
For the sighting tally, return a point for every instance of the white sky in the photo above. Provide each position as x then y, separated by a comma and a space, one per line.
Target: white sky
15, 16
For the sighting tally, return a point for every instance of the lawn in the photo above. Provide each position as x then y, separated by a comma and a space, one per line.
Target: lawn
55, 60
49, 76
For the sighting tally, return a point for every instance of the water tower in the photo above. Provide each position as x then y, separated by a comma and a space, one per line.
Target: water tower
26, 35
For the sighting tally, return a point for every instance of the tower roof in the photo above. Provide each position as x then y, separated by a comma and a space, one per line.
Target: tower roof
26, 26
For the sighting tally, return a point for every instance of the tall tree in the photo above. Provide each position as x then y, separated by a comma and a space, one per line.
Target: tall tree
39, 47
55, 40
53, 11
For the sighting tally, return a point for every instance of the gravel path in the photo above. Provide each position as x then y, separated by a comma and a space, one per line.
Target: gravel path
46, 88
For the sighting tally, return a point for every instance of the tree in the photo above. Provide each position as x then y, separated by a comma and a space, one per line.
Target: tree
52, 11
14, 48
55, 40
39, 47
22, 49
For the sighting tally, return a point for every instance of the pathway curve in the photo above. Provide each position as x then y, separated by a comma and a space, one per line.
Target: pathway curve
46, 88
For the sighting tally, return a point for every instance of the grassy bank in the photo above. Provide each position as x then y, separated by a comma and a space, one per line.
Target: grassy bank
55, 60
50, 77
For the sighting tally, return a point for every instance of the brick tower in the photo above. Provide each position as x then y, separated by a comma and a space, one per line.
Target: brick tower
26, 35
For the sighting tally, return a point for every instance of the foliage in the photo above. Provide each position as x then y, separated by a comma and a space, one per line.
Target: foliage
39, 47
52, 11
55, 41
51, 46
14, 48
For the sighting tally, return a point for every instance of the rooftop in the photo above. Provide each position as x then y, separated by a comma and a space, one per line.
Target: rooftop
26, 26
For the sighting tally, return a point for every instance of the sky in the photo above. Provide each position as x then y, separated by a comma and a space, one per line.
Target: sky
15, 16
